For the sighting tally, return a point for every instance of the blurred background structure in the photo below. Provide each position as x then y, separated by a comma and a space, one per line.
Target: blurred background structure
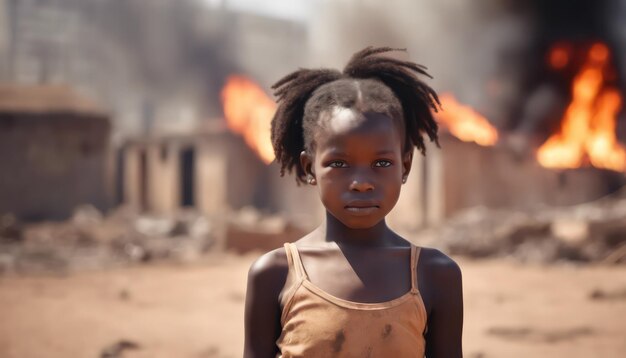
138, 131
162, 68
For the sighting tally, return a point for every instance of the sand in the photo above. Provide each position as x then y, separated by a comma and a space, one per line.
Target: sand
169, 310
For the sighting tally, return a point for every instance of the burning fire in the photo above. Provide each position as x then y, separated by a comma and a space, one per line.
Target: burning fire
249, 112
589, 123
559, 56
465, 123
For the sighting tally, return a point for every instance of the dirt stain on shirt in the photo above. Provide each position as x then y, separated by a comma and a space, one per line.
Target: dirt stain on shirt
386, 331
339, 339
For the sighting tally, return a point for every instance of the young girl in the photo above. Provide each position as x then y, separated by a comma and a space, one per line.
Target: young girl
353, 287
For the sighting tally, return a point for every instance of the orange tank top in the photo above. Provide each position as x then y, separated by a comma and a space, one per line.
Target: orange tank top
318, 324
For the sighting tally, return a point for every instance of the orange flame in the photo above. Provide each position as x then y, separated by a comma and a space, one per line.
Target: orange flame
465, 123
559, 56
249, 111
588, 125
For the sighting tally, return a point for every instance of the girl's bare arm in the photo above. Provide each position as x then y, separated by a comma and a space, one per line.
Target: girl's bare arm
266, 279
445, 319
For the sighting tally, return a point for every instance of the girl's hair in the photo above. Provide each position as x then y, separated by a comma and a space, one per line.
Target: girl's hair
369, 83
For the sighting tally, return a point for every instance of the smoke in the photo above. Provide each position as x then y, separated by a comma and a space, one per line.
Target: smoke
141, 60
474, 49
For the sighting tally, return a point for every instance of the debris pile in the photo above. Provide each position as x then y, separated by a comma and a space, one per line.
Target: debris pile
91, 240
248, 230
590, 232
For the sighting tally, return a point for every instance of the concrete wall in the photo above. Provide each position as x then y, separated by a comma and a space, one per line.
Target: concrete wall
226, 174
498, 177
211, 179
50, 163
5, 40
229, 176
462, 175
409, 211
163, 183
130, 179
300, 204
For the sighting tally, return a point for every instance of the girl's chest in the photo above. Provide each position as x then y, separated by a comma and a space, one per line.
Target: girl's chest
366, 280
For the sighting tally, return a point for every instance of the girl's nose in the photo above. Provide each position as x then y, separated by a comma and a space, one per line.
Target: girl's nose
361, 185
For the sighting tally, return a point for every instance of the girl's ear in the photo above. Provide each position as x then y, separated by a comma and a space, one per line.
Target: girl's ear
306, 162
407, 161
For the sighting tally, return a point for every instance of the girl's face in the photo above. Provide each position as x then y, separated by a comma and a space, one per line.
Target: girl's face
358, 164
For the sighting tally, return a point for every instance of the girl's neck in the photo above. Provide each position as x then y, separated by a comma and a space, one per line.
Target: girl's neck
334, 230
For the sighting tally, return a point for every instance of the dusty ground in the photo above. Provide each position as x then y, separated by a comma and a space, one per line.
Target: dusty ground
196, 311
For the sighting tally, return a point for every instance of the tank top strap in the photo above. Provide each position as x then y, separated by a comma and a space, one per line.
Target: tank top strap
295, 263
415, 255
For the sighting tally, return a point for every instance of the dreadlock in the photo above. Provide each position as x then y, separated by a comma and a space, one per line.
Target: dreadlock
386, 85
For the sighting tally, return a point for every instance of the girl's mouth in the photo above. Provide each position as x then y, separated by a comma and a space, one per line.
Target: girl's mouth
362, 209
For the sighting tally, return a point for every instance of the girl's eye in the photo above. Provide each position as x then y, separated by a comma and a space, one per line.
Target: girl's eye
337, 164
382, 163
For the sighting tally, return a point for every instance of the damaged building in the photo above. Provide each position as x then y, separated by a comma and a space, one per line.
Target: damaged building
54, 152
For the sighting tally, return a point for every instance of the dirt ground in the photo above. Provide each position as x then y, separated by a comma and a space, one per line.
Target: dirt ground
166, 310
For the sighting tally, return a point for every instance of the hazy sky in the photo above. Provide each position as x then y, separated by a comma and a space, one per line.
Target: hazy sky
290, 9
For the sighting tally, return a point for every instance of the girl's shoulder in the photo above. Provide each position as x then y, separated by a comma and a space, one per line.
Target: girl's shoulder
266, 279
435, 259
438, 271
270, 269
437, 266
274, 265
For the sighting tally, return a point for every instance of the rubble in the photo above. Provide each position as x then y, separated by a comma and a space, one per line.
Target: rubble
249, 230
590, 232
540, 336
86, 215
116, 349
93, 240
602, 295
10, 228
